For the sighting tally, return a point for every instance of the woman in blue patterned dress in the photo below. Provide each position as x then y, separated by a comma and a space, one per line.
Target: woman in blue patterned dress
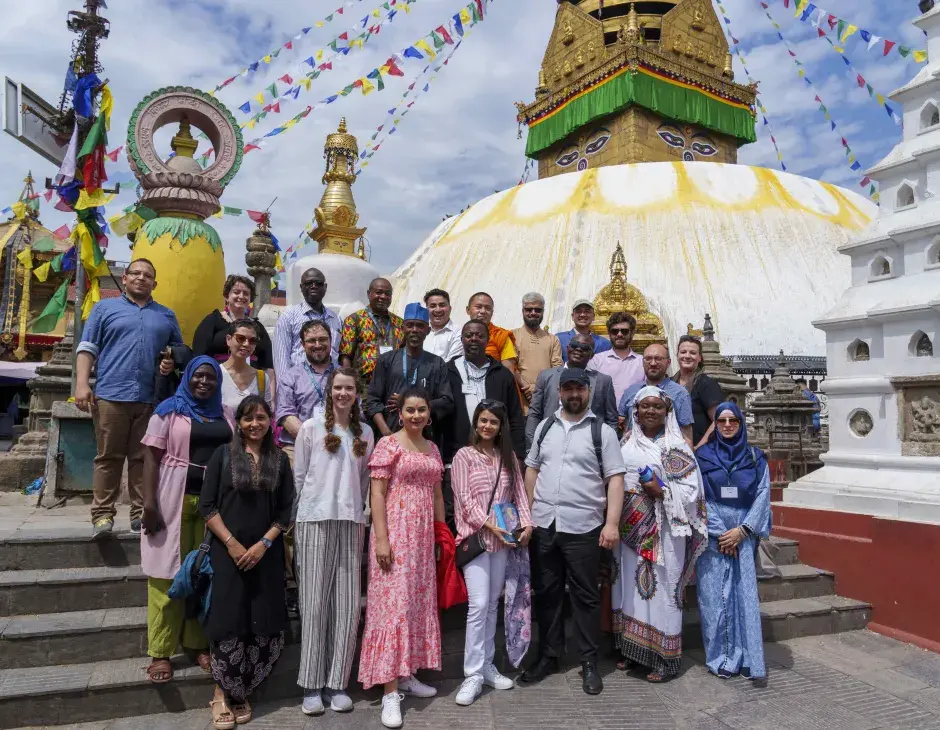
737, 493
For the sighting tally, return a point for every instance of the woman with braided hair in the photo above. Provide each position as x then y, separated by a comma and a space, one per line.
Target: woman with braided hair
331, 470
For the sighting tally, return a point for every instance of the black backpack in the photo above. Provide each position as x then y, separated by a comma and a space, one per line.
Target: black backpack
596, 438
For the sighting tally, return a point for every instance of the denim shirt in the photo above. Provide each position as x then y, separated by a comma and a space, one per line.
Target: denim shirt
126, 339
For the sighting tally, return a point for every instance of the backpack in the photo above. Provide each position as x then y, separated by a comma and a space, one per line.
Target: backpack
596, 438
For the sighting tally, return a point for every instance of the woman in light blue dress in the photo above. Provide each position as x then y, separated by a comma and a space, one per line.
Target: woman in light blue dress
737, 493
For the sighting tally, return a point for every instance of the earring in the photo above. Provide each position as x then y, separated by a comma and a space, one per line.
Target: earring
429, 420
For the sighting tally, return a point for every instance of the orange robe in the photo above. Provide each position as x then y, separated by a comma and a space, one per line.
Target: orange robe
498, 338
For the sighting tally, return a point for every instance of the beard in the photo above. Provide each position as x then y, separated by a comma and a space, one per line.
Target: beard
574, 405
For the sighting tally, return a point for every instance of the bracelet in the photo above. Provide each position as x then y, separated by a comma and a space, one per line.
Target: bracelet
228, 540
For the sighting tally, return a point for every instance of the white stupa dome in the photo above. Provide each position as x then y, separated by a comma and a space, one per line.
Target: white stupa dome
755, 248
347, 280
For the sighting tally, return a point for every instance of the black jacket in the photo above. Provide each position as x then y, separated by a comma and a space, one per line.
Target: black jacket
500, 385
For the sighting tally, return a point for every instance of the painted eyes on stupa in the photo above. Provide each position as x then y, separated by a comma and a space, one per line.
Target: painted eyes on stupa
597, 142
568, 157
671, 137
703, 146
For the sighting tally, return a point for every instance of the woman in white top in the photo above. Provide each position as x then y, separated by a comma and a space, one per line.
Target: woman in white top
331, 466
239, 378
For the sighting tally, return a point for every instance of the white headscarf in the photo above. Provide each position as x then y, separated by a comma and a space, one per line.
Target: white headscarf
673, 462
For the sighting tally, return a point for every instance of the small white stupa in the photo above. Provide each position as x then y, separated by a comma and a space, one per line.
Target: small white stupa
340, 251
882, 351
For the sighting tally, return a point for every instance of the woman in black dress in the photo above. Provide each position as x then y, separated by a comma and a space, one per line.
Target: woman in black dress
209, 339
703, 389
246, 500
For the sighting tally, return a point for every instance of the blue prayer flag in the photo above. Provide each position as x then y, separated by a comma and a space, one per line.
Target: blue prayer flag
245, 108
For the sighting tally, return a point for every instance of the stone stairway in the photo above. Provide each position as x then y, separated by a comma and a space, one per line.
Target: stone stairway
73, 630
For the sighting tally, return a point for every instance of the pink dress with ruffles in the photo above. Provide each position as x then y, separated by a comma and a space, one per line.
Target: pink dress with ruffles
402, 631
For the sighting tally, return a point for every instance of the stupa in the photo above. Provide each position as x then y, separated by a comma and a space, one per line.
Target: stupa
872, 513
341, 254
635, 127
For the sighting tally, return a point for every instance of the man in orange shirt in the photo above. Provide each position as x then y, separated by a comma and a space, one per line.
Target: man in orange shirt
502, 344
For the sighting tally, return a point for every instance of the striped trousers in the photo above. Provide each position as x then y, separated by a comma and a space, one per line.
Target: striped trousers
329, 564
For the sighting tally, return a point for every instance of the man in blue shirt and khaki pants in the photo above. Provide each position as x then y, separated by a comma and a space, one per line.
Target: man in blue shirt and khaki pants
124, 337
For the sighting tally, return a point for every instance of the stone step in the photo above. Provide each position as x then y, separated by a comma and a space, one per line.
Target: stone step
797, 581
67, 548
74, 693
788, 552
71, 589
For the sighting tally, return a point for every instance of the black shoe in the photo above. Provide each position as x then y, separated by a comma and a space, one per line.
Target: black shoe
540, 670
293, 603
591, 681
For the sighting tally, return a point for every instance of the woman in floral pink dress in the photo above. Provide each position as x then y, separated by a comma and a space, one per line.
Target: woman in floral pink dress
402, 632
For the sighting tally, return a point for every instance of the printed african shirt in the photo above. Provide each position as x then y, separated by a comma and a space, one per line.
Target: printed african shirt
362, 339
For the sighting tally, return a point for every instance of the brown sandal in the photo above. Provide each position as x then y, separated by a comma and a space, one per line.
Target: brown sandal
655, 678
242, 712
160, 671
222, 719
204, 660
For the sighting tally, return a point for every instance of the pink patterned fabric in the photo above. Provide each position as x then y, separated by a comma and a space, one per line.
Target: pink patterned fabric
402, 631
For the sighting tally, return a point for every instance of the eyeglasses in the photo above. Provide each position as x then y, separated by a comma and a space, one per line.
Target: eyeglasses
139, 274
244, 339
582, 346
621, 331
654, 358
727, 421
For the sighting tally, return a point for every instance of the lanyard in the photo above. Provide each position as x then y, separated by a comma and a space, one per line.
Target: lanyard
404, 366
385, 331
318, 380
474, 379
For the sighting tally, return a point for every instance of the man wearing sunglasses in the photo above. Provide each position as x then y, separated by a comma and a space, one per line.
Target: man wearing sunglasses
621, 363
537, 350
545, 399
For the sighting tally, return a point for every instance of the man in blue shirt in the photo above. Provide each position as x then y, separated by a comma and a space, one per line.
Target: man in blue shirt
582, 315
123, 337
656, 362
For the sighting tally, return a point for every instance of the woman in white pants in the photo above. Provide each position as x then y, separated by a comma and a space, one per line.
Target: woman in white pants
486, 478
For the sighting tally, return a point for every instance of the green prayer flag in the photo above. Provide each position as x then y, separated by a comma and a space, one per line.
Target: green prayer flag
840, 29
475, 13
437, 40
904, 51
332, 45
379, 84
348, 90
228, 210
329, 18
385, 5
44, 245
96, 136
274, 55
54, 310
272, 90
56, 263
34, 204
146, 213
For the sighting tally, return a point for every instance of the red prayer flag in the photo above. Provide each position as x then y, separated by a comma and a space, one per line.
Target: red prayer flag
286, 79
249, 147
276, 107
228, 81
344, 36
93, 172
444, 34
289, 45
833, 22
393, 70
357, 84
479, 4
113, 154
339, 11
61, 205
822, 33
786, 3
888, 46
861, 82
62, 232
256, 215
864, 182
48, 194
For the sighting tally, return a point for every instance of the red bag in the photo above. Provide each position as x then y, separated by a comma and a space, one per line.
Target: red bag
451, 589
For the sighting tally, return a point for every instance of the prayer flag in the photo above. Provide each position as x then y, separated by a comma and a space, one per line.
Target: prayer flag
286, 79
272, 90
244, 109
920, 56
888, 46
904, 51
423, 45
42, 272
367, 87
113, 155
412, 52
92, 155
256, 215
50, 316
25, 257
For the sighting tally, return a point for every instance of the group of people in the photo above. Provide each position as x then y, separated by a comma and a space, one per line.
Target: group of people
530, 464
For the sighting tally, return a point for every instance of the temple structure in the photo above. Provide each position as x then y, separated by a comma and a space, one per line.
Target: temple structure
341, 253
872, 513
635, 127
621, 296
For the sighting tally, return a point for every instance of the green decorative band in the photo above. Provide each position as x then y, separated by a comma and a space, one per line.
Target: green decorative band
668, 97
182, 229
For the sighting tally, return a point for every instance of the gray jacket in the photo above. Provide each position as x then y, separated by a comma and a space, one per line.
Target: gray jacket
545, 400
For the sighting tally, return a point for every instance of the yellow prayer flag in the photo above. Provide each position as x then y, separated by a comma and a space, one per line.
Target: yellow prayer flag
86, 247
849, 31
25, 257
267, 59
423, 45
800, 4
95, 200
260, 97
319, 24
217, 214
91, 298
465, 16
802, 73
289, 123
121, 225
42, 272
920, 56
106, 105
367, 87
19, 209
383, 70
251, 123
406, 8
306, 83
320, 55
880, 98
364, 164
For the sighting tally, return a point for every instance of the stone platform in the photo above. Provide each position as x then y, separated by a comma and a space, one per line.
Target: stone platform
73, 643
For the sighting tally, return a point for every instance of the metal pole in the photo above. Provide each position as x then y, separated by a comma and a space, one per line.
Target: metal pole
77, 321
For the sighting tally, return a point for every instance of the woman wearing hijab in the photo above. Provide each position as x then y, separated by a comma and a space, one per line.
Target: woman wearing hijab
662, 533
182, 434
737, 491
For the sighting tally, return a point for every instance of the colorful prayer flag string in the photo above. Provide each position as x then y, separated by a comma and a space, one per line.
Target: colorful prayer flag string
807, 12
763, 111
852, 161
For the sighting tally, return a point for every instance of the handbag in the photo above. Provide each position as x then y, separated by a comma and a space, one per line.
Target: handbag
474, 546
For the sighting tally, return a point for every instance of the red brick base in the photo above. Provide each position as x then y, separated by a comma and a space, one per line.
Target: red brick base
893, 565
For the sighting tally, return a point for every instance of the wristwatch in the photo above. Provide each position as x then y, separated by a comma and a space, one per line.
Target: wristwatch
266, 543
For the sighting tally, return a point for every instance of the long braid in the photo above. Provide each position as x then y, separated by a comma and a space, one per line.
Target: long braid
332, 442
355, 423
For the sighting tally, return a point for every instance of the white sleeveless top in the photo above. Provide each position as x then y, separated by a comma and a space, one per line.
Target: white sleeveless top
232, 396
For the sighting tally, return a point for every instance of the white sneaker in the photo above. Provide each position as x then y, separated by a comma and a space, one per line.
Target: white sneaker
471, 688
492, 678
391, 710
313, 703
339, 700
411, 686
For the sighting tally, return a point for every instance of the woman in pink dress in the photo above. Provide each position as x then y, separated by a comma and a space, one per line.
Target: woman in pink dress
402, 632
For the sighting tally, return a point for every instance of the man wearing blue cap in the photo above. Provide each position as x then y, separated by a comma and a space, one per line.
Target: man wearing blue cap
404, 367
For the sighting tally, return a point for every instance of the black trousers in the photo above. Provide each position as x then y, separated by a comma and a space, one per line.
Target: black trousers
559, 558
448, 492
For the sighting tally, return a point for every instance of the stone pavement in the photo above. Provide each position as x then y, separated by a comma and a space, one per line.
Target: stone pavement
851, 681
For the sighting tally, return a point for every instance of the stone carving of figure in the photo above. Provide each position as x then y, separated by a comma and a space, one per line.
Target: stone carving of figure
925, 417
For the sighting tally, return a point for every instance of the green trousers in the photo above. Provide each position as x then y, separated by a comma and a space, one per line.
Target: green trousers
167, 626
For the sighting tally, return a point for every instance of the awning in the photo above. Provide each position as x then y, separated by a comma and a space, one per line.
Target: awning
19, 370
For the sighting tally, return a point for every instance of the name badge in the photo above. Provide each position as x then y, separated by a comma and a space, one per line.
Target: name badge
729, 492
384, 348
467, 389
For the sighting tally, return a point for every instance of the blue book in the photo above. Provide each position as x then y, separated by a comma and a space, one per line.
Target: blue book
507, 518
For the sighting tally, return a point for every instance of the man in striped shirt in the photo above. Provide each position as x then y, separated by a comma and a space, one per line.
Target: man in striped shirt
288, 349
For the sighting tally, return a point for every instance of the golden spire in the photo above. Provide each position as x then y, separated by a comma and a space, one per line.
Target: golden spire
620, 296
183, 143
336, 216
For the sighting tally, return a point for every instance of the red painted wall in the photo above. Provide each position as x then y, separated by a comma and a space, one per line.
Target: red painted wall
893, 565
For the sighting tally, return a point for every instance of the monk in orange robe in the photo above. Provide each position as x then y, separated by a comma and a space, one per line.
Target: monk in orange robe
502, 344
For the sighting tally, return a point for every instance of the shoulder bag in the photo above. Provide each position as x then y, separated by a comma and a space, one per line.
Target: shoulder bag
474, 545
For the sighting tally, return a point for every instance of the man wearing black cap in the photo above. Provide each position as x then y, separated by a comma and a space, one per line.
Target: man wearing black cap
574, 479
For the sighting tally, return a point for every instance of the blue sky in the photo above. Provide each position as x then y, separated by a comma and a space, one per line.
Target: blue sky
459, 142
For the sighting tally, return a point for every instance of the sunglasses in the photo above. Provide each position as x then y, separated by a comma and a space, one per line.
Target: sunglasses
728, 421
245, 340
621, 331
582, 346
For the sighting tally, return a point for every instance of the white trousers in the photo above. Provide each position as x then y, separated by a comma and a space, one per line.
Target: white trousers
485, 576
